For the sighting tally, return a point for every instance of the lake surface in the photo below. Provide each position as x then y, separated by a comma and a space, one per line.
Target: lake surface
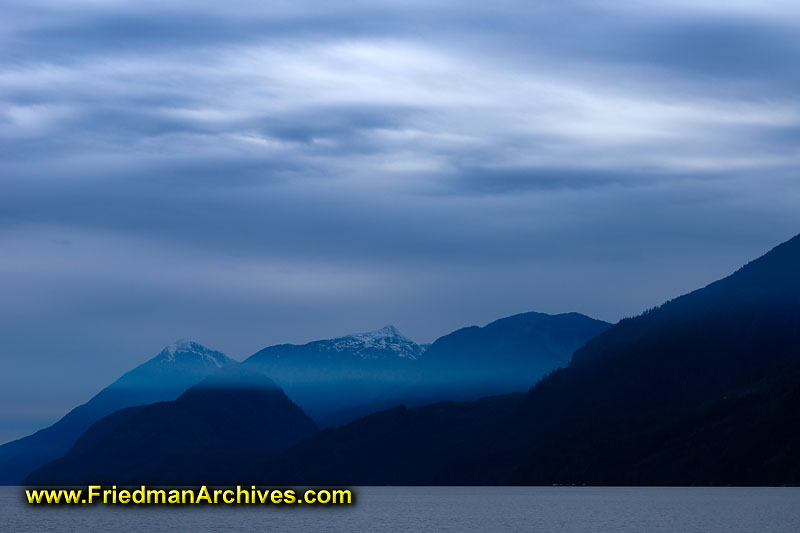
444, 508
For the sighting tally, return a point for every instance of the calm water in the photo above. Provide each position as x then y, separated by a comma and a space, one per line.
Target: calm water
445, 508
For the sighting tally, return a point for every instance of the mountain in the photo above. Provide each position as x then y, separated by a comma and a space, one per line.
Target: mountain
750, 437
374, 347
399, 446
382, 344
339, 380
208, 435
704, 389
511, 353
691, 357
507, 355
328, 375
336, 380
164, 377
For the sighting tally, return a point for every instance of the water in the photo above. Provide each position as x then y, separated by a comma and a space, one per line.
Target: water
444, 509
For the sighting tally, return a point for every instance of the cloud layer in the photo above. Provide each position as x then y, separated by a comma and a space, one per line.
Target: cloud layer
252, 173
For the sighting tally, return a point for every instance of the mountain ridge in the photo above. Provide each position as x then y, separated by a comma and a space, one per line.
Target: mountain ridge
333, 380
200, 437
157, 379
376, 344
701, 390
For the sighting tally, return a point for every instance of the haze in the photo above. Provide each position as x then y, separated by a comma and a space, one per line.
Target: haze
246, 173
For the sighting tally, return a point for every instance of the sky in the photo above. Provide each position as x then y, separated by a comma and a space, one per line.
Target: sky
251, 173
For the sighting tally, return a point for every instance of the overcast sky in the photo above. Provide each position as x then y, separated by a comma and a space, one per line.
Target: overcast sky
252, 173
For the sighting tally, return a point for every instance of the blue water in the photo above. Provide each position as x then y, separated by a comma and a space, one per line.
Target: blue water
444, 508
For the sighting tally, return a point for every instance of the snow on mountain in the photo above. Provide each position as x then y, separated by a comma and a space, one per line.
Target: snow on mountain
186, 351
375, 344
163, 378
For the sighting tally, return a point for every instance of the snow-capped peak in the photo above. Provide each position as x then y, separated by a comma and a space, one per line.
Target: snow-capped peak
375, 344
181, 345
389, 330
386, 331
183, 349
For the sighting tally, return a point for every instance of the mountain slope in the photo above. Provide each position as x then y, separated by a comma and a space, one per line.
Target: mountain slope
748, 438
702, 390
400, 446
328, 375
385, 345
668, 363
513, 352
338, 380
164, 377
202, 437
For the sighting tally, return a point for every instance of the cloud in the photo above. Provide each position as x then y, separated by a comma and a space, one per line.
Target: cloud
256, 173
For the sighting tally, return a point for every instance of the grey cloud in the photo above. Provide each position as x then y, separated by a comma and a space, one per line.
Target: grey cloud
280, 172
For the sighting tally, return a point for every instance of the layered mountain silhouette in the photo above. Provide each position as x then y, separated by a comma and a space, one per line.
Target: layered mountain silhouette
399, 446
701, 390
511, 353
338, 380
164, 377
672, 379
210, 434
328, 376
704, 389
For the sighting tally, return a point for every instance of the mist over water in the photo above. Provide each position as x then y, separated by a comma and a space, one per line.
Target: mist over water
446, 508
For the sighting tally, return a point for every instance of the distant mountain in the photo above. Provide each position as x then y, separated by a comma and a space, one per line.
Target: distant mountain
511, 353
381, 344
164, 377
208, 435
328, 375
704, 389
338, 380
385, 344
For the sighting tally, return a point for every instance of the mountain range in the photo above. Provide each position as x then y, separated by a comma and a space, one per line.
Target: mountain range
329, 376
703, 389
334, 381
338, 380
